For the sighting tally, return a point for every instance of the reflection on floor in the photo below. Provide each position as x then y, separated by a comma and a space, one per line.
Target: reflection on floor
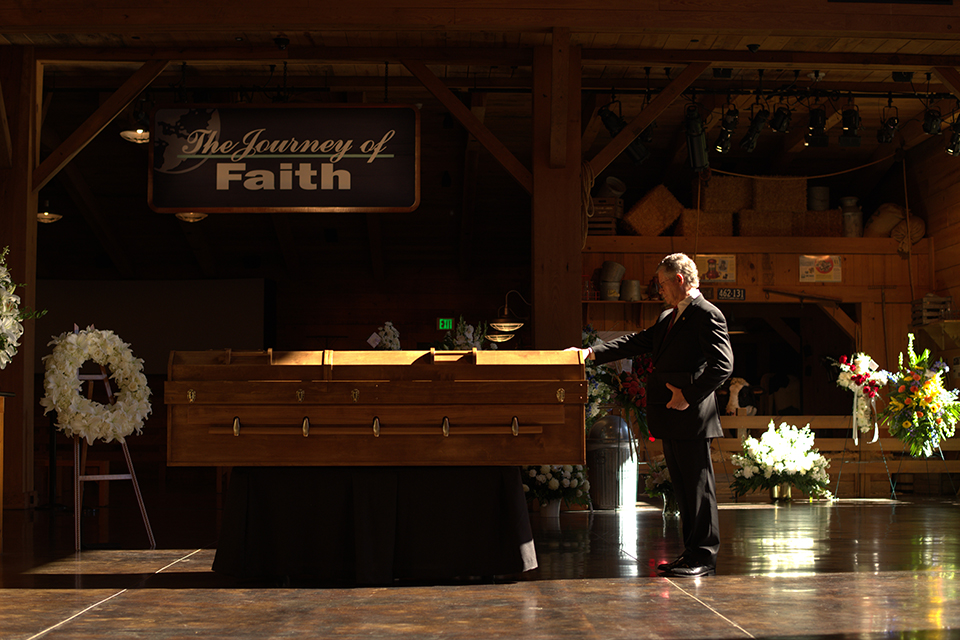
849, 569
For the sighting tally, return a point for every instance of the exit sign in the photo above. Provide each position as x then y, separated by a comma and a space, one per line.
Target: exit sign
444, 324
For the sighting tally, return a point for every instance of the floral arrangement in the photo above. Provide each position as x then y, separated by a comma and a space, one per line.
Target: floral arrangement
783, 455
600, 392
389, 337
606, 386
658, 483
548, 482
863, 376
10, 314
920, 411
465, 336
80, 416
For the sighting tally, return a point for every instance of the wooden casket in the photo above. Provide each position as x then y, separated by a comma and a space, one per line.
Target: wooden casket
358, 408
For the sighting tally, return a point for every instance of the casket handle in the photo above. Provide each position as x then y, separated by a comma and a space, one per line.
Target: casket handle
236, 425
191, 395
446, 426
376, 427
515, 426
561, 394
306, 427
301, 394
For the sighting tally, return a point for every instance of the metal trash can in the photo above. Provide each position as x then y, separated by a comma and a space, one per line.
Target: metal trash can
611, 466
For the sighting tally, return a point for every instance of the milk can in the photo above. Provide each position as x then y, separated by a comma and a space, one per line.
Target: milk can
852, 217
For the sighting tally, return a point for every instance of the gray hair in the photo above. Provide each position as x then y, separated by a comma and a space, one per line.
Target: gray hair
681, 263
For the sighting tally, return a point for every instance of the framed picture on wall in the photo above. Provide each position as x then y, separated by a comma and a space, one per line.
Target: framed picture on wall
821, 269
717, 269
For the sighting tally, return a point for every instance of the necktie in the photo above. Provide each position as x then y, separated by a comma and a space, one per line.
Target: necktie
673, 318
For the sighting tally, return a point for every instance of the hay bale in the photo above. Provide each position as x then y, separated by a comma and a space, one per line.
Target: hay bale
780, 194
819, 224
711, 223
728, 194
755, 223
654, 213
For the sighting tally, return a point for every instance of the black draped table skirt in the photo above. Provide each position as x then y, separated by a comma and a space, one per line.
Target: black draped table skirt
374, 525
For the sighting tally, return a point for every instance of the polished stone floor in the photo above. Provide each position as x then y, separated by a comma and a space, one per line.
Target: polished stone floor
852, 569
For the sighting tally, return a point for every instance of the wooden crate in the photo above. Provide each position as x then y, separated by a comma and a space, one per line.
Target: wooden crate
357, 408
602, 226
930, 308
608, 207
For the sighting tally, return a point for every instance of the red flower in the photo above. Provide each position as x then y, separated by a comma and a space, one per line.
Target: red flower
843, 359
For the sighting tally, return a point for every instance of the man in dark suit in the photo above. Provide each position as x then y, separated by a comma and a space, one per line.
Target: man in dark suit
692, 357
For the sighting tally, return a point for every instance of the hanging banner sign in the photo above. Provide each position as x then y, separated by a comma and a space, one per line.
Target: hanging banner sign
273, 158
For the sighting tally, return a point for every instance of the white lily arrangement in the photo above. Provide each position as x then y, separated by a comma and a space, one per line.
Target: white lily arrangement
782, 455
84, 417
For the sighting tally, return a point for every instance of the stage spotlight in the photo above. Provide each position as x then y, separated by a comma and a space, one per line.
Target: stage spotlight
615, 124
749, 141
696, 139
727, 126
888, 130
932, 122
851, 127
817, 136
781, 119
953, 147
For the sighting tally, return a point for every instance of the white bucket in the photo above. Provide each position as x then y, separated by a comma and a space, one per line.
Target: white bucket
612, 188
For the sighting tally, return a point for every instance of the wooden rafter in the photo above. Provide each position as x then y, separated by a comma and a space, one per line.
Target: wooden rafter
6, 145
100, 118
657, 106
459, 111
559, 96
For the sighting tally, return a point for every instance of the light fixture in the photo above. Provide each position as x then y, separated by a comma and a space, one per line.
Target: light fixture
749, 141
781, 119
138, 136
139, 131
498, 337
850, 119
817, 124
889, 123
953, 147
727, 126
191, 216
932, 122
696, 140
45, 215
615, 124
505, 322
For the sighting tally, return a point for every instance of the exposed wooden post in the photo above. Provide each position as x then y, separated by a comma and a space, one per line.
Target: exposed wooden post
557, 239
20, 76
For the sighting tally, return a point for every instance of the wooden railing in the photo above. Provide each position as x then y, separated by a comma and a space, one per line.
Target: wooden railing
863, 470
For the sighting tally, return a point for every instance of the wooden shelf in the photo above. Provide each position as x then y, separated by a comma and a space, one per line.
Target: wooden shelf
740, 244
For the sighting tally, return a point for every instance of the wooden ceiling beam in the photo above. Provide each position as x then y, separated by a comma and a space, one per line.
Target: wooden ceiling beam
770, 59
950, 77
6, 144
797, 18
89, 206
636, 126
487, 56
110, 109
459, 111
559, 96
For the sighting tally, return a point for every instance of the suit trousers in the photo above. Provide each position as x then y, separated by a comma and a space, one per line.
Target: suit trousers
691, 472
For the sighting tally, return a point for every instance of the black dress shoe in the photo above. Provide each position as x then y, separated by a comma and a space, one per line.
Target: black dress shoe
667, 566
688, 569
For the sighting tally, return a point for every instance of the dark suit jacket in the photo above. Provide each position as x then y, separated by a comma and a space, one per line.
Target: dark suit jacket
695, 355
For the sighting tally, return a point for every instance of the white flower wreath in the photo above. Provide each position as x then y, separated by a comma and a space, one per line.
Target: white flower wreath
80, 416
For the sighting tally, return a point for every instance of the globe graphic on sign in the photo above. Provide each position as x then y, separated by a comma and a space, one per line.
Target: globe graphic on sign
174, 130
